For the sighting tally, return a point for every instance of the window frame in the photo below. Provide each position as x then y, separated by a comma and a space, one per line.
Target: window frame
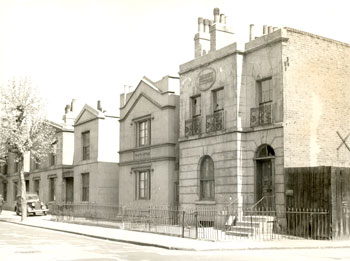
261, 93
215, 99
85, 140
85, 187
144, 133
207, 179
195, 107
146, 188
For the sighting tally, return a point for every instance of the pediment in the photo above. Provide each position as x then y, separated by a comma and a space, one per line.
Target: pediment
86, 114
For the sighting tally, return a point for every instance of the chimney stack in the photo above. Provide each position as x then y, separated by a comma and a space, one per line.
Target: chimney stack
221, 35
251, 33
202, 38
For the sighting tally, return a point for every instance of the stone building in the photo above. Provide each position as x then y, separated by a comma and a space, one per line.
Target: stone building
249, 114
96, 142
46, 177
149, 118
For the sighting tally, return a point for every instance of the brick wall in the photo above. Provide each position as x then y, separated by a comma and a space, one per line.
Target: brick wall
316, 95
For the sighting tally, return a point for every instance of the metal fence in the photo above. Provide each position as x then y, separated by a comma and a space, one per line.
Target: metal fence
203, 223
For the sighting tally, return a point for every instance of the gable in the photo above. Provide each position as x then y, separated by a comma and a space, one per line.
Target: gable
85, 116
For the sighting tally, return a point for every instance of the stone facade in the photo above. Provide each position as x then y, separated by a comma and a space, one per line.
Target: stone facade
95, 161
149, 118
283, 104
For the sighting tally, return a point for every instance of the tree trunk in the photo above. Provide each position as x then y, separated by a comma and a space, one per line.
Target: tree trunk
23, 190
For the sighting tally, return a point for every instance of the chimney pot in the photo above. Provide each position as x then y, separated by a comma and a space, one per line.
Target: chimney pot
251, 32
99, 106
270, 29
222, 19
66, 109
206, 25
200, 25
216, 15
72, 105
265, 29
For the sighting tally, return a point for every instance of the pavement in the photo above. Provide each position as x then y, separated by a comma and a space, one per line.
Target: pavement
164, 241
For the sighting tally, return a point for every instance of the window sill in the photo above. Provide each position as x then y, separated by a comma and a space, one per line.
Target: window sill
205, 202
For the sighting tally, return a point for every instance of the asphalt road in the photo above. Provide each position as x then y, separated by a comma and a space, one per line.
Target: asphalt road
19, 242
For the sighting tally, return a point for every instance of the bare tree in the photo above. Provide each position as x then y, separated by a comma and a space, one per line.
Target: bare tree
23, 128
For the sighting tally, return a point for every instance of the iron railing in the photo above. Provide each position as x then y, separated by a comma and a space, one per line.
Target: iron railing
227, 223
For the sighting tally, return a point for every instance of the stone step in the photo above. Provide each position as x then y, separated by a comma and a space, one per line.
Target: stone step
259, 219
237, 234
248, 224
240, 229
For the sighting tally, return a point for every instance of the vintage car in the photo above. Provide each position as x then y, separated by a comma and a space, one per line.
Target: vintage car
34, 205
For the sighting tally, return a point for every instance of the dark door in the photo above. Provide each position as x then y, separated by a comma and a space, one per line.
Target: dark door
264, 184
69, 189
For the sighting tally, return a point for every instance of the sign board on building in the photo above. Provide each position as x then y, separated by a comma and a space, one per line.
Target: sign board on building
144, 154
206, 79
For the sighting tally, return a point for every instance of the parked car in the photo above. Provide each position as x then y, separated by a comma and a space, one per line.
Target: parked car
34, 205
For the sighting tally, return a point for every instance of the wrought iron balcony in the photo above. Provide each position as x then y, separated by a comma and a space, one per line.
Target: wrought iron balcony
261, 115
215, 121
193, 126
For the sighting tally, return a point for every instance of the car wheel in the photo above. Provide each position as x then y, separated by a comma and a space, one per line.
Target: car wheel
45, 213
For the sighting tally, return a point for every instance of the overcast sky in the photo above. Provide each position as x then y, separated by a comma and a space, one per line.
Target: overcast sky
89, 50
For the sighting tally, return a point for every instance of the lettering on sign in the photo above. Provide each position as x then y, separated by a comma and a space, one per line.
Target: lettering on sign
145, 154
206, 79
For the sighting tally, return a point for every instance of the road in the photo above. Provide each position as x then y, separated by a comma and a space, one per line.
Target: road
19, 242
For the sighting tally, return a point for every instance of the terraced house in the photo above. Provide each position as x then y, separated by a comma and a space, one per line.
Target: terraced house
149, 117
259, 123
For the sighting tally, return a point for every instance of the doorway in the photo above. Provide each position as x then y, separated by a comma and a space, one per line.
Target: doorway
69, 189
265, 191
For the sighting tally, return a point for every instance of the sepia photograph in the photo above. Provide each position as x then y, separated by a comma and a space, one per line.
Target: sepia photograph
159, 130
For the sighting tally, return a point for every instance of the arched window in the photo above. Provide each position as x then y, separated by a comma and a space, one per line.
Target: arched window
207, 185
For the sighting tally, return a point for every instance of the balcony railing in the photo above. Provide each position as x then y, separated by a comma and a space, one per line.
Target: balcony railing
215, 121
261, 115
193, 126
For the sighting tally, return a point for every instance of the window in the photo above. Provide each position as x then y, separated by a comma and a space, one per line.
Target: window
85, 186
207, 179
265, 91
27, 186
53, 155
218, 99
196, 106
143, 184
52, 159
52, 182
36, 164
36, 186
86, 145
143, 132
4, 190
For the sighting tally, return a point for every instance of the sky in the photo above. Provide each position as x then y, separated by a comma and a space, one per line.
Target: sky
90, 49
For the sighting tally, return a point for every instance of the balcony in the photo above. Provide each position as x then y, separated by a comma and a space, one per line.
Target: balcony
261, 115
215, 121
193, 126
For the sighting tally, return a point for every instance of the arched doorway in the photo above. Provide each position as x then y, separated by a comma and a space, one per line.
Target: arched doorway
264, 177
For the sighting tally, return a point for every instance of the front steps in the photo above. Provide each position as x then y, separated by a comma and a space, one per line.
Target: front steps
251, 226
